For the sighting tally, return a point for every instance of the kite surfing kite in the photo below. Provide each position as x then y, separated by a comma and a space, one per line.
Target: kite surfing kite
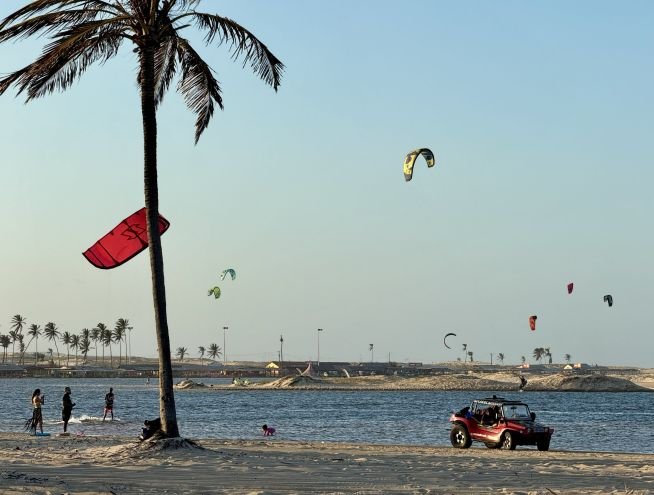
215, 292
410, 160
123, 242
532, 322
229, 271
570, 287
608, 299
445, 338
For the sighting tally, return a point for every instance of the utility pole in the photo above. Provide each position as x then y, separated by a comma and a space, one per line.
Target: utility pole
372, 353
225, 328
318, 367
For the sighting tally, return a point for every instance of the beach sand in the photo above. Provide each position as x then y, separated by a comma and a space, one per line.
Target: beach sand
101, 465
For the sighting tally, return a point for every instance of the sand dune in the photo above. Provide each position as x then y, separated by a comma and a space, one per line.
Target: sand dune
98, 465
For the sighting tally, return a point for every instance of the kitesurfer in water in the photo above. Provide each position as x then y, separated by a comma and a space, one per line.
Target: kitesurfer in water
523, 383
268, 431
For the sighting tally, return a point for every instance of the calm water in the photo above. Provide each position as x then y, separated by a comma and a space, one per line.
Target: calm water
621, 422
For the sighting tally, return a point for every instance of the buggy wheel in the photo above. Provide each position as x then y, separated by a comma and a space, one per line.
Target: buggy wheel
508, 441
543, 445
460, 437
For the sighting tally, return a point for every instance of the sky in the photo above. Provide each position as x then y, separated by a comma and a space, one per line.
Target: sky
540, 115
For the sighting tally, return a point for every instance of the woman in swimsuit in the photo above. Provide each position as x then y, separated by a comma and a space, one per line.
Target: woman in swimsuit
37, 416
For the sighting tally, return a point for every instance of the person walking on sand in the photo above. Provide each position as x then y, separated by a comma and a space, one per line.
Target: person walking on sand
37, 415
67, 405
109, 404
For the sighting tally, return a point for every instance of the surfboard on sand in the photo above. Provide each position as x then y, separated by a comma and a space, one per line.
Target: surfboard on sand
64, 434
39, 434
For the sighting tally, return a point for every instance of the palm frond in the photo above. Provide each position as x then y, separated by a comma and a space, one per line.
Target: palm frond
47, 23
165, 67
242, 43
67, 58
198, 86
38, 7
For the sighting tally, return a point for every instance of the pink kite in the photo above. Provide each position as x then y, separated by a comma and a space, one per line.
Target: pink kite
126, 240
532, 322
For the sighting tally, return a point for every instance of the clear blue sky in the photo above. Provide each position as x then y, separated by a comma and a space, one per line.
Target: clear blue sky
541, 118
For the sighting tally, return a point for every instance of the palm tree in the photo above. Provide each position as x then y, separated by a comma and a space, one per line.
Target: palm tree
465, 355
215, 352
120, 331
548, 355
95, 337
567, 358
88, 31
539, 352
85, 343
65, 338
50, 352
34, 331
500, 357
470, 354
181, 352
52, 334
17, 324
74, 343
106, 336
523, 359
21, 347
5, 340
201, 351
102, 330
13, 336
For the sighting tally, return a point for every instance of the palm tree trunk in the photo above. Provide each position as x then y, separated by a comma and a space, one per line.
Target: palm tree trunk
167, 409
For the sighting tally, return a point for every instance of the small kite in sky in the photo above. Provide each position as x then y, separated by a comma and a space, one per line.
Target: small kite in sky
215, 292
229, 271
445, 338
608, 299
410, 160
571, 286
532, 322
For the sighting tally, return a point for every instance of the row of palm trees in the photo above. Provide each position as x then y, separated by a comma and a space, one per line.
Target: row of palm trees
538, 354
213, 351
100, 336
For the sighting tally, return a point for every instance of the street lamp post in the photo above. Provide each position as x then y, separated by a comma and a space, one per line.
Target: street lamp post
318, 367
281, 354
225, 328
372, 353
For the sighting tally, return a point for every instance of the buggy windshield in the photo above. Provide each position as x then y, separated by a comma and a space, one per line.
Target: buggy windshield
516, 411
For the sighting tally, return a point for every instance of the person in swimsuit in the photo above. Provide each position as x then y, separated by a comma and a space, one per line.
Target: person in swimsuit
66, 408
268, 431
109, 404
37, 415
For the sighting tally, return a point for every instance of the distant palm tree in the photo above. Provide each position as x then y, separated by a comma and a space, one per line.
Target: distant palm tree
13, 336
50, 353
523, 359
88, 31
539, 353
5, 340
465, 354
470, 354
181, 352
106, 337
548, 354
215, 352
65, 338
21, 347
85, 343
52, 334
201, 351
567, 358
74, 343
34, 331
95, 337
120, 332
500, 358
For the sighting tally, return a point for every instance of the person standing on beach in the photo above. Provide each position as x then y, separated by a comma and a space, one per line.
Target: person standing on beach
37, 415
66, 407
109, 404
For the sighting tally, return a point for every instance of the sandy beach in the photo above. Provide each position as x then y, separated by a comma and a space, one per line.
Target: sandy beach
101, 465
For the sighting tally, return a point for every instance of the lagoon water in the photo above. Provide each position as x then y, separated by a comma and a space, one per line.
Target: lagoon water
588, 421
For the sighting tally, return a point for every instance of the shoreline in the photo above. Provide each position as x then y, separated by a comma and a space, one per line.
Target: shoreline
103, 465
